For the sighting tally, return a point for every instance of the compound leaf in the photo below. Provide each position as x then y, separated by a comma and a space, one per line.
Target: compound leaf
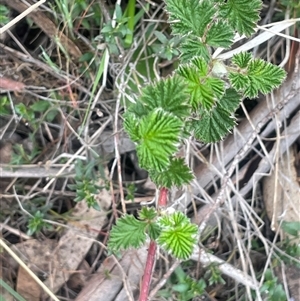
256, 75
177, 174
121, 234
264, 77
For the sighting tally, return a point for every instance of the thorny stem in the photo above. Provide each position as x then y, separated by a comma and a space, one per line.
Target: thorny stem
162, 202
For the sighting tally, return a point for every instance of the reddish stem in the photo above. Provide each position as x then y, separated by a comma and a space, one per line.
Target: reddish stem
162, 202
148, 271
163, 197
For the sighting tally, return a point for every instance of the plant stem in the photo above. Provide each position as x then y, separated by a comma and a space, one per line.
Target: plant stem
163, 197
162, 202
148, 271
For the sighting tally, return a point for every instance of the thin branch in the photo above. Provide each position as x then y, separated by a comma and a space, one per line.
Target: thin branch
27, 269
21, 16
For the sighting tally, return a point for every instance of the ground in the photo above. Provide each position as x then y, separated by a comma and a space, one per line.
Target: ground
68, 169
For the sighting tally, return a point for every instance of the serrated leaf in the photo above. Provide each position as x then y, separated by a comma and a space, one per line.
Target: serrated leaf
121, 235
220, 34
131, 126
153, 231
201, 95
201, 64
264, 77
159, 132
190, 73
177, 174
230, 100
147, 213
190, 16
200, 91
239, 81
169, 94
192, 47
213, 125
180, 238
242, 59
242, 15
138, 109
217, 86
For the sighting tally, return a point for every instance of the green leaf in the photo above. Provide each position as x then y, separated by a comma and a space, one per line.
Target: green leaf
147, 213
256, 75
200, 91
220, 34
216, 85
139, 109
169, 94
214, 125
239, 81
131, 126
127, 233
180, 238
192, 47
153, 231
242, 15
292, 228
177, 174
203, 90
159, 138
190, 16
25, 112
230, 100
51, 115
118, 11
161, 37
264, 77
242, 59
202, 66
40, 106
